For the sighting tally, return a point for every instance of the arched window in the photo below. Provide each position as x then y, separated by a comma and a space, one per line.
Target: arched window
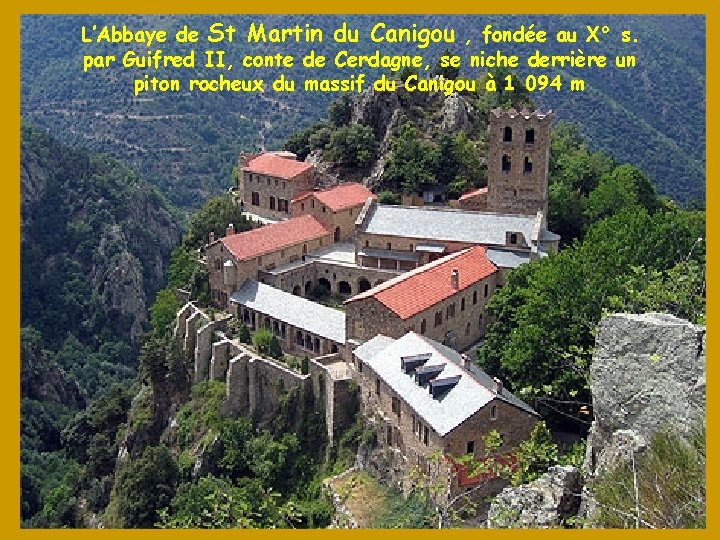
507, 134
528, 165
506, 164
530, 136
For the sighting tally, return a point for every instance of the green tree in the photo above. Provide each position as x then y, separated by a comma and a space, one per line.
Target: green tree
144, 486
388, 197
261, 340
340, 111
305, 365
535, 455
272, 460
234, 437
679, 290
217, 213
353, 146
566, 215
624, 187
163, 311
274, 349
215, 503
411, 161
240, 330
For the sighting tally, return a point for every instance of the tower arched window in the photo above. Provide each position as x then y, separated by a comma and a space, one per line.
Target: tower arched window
506, 163
507, 134
527, 169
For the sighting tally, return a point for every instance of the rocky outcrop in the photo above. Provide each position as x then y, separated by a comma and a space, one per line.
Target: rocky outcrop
375, 110
647, 373
384, 112
455, 115
544, 503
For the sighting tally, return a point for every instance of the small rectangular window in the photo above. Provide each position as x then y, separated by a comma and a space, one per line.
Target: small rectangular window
470, 447
396, 406
426, 433
377, 386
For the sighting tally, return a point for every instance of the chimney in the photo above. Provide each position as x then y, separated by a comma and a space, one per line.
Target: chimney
455, 279
230, 230
498, 386
211, 237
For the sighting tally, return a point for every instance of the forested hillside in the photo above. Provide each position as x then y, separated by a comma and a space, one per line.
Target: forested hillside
652, 116
95, 243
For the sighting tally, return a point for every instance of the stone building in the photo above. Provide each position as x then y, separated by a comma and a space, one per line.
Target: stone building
236, 257
268, 182
402, 238
303, 327
423, 398
337, 208
444, 300
474, 200
518, 161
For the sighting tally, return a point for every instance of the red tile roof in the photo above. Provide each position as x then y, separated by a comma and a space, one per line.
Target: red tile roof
473, 193
270, 238
422, 288
341, 197
276, 166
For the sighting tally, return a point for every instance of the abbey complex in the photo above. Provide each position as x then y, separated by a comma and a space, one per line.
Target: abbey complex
410, 284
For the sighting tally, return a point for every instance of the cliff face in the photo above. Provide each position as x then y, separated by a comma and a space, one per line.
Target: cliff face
94, 241
42, 379
647, 373
432, 113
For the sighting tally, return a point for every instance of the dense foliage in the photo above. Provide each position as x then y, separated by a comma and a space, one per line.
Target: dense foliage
545, 316
94, 245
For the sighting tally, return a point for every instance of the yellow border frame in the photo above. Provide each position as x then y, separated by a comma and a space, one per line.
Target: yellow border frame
10, 214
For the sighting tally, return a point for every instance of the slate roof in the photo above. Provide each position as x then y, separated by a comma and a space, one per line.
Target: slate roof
294, 310
276, 166
341, 197
270, 238
445, 224
415, 291
507, 259
549, 236
446, 412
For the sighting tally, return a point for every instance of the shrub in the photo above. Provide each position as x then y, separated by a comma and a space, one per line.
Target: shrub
664, 489
261, 340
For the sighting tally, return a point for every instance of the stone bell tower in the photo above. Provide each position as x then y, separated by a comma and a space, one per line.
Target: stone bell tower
518, 159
